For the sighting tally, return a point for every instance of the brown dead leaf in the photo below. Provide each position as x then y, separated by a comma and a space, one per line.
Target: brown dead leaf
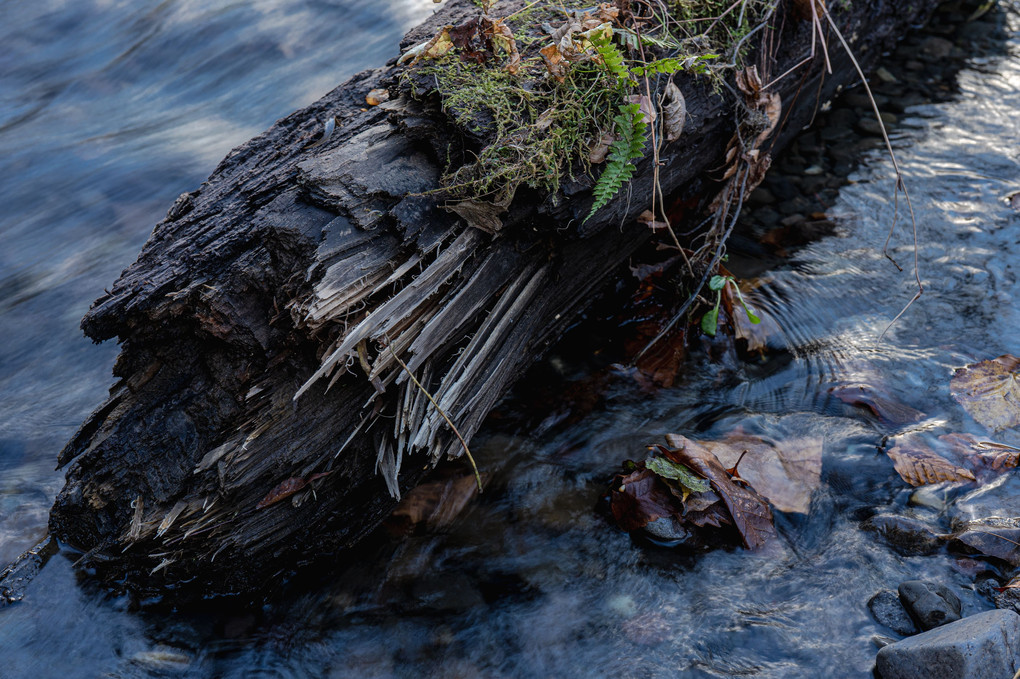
599, 152
438, 503
999, 539
919, 465
641, 497
287, 488
989, 391
378, 96
439, 45
751, 514
674, 111
981, 452
880, 404
785, 473
502, 39
554, 61
480, 214
645, 106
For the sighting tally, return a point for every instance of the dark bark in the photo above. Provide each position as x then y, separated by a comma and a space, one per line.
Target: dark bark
288, 255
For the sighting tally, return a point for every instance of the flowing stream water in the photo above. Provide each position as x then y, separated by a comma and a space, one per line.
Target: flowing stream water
110, 109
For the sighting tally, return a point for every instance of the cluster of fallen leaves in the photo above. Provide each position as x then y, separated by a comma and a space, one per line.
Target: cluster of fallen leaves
689, 482
477, 39
989, 392
571, 42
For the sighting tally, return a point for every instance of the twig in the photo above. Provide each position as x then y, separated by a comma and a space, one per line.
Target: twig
900, 185
467, 451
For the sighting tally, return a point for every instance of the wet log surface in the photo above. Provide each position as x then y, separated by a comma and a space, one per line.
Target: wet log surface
294, 262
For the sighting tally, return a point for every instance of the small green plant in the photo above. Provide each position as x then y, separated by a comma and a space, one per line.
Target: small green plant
710, 321
630, 126
631, 131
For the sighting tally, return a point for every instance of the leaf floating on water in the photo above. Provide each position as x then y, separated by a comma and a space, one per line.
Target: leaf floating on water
287, 488
918, 465
881, 405
785, 472
989, 392
436, 504
751, 514
997, 538
983, 452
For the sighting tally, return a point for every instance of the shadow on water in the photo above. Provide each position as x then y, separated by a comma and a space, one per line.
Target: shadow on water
529, 581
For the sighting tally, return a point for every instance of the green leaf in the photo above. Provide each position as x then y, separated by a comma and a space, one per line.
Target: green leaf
710, 321
629, 145
677, 472
747, 310
717, 282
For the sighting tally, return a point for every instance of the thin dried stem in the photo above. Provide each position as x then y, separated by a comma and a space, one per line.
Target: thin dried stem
453, 427
900, 185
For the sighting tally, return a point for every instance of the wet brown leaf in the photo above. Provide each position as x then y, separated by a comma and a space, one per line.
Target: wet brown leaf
554, 61
981, 452
645, 106
641, 497
751, 514
502, 39
880, 404
480, 214
785, 473
919, 465
989, 391
438, 503
997, 541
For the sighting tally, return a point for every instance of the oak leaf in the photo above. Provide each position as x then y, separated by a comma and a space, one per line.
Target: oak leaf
989, 391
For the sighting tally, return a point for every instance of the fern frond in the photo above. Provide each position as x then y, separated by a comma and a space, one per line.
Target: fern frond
673, 64
631, 130
612, 58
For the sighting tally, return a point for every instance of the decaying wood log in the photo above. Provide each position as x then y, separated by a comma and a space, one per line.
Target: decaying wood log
261, 323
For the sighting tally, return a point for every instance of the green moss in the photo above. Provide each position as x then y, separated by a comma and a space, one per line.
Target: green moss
536, 130
538, 127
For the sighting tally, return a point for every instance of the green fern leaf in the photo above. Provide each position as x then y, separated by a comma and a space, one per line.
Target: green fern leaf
631, 131
612, 58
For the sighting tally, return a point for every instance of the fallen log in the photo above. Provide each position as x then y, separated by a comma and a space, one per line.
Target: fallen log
265, 411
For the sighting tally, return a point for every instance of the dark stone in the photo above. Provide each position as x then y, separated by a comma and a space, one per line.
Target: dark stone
936, 47
931, 604
905, 535
868, 125
887, 610
667, 531
982, 646
1008, 599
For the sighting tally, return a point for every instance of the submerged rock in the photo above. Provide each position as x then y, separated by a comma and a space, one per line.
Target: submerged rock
887, 610
982, 646
905, 535
931, 604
